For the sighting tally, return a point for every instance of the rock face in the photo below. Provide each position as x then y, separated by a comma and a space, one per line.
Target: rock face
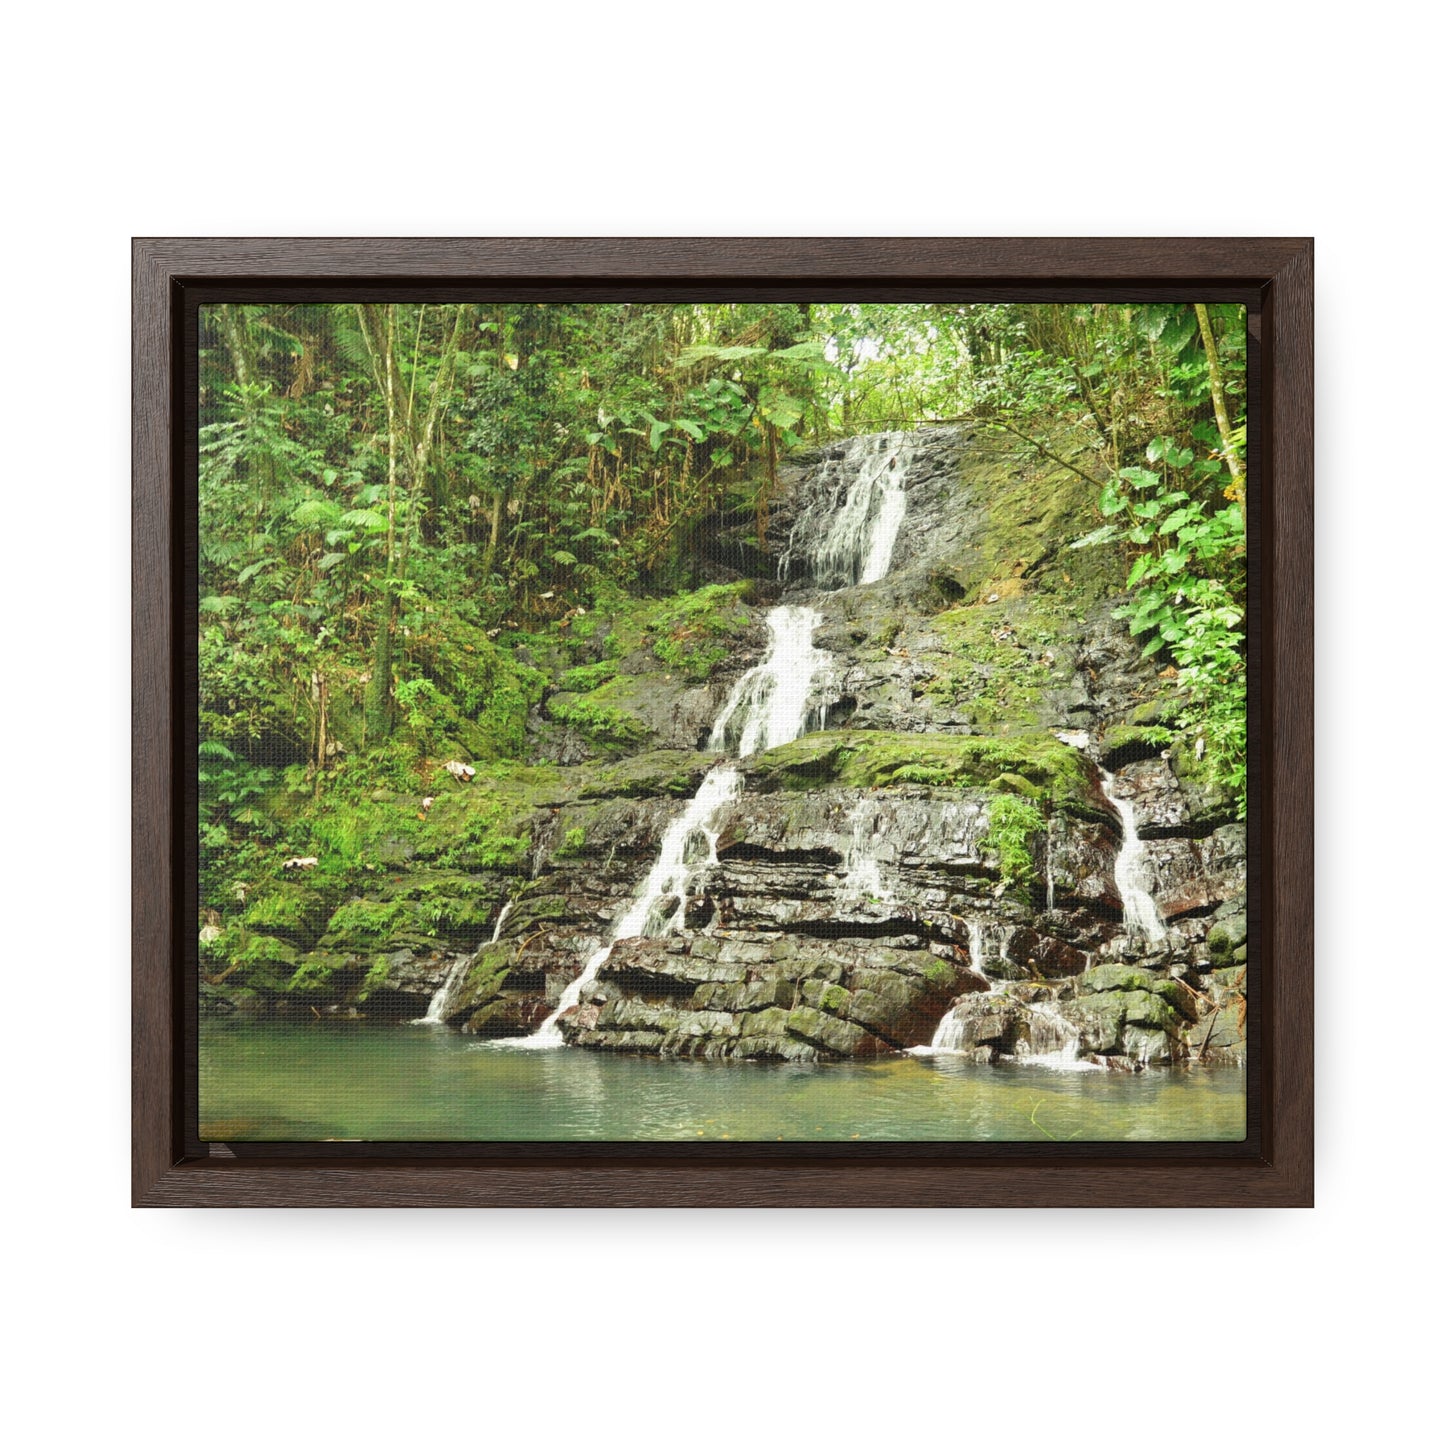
931, 850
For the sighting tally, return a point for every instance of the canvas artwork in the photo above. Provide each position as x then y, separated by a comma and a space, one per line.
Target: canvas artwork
664, 721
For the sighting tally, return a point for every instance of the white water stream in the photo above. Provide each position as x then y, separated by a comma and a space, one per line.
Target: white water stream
1053, 1041
857, 537
863, 880
688, 849
768, 705
436, 1010
1132, 873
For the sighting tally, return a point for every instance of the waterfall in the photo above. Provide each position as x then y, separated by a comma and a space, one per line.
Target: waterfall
688, 849
862, 877
975, 947
1053, 1041
1132, 872
766, 708
768, 705
947, 1038
437, 1008
857, 512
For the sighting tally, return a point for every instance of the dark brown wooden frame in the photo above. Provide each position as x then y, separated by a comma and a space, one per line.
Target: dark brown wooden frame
1274, 1167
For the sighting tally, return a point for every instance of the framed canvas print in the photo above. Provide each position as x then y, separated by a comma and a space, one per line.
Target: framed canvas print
752, 722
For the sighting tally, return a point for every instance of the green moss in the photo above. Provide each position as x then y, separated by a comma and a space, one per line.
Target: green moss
366, 925
483, 691
921, 773
863, 759
265, 949
939, 973
574, 842
681, 652
1034, 507
1122, 978
489, 823
1013, 783
376, 976
324, 973
1131, 742
484, 978
645, 775
587, 678
603, 715
288, 908
833, 999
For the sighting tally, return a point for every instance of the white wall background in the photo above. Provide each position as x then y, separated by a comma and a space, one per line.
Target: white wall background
741, 118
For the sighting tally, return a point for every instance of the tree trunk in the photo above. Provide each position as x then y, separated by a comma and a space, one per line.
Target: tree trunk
1221, 408
382, 349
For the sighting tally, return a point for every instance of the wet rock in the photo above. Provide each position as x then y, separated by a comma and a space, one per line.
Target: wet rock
1160, 810
1225, 936
1039, 954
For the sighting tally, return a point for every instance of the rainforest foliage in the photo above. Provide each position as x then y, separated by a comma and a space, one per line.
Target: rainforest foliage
403, 507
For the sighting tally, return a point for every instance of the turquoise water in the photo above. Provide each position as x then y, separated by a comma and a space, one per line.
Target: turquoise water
331, 1080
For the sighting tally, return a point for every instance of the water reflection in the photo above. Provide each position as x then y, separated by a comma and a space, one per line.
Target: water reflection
279, 1081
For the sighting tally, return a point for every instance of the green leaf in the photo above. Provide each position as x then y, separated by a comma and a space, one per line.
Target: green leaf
1157, 449
315, 512
719, 353
1139, 571
1139, 477
366, 518
331, 559
564, 559
659, 430
246, 573
690, 427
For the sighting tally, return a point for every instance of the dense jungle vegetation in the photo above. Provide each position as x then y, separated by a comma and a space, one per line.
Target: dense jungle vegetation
405, 508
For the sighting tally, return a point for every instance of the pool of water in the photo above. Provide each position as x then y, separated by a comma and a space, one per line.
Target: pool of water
277, 1081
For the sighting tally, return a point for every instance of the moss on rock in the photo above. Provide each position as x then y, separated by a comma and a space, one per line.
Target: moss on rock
861, 759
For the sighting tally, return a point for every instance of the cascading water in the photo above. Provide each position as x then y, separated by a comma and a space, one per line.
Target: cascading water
689, 846
1132, 873
948, 1037
437, 1009
862, 877
767, 707
975, 947
857, 536
1053, 1041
